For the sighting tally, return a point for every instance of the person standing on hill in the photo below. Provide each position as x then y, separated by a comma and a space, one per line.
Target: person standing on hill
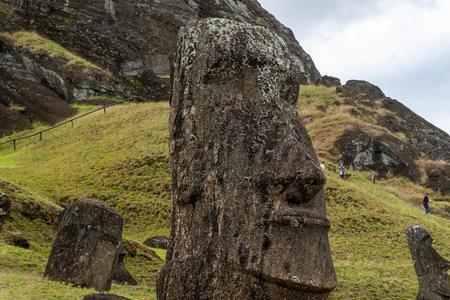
341, 169
426, 204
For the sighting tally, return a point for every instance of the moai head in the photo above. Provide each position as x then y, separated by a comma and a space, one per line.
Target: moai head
249, 216
87, 245
431, 268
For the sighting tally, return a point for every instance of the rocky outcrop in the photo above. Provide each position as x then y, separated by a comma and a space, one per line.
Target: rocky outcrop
136, 39
362, 89
431, 268
160, 242
330, 81
249, 215
437, 176
395, 141
19, 201
87, 245
382, 153
421, 134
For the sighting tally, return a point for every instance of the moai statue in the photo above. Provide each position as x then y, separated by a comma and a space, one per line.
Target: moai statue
431, 268
249, 218
87, 245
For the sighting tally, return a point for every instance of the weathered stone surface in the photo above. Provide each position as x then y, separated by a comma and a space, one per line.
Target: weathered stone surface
381, 153
137, 38
431, 268
437, 176
87, 245
157, 242
249, 218
330, 81
104, 297
396, 141
421, 134
120, 273
362, 88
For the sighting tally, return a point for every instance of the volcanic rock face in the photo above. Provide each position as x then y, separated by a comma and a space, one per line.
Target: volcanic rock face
87, 245
397, 141
249, 217
362, 88
431, 268
137, 38
383, 154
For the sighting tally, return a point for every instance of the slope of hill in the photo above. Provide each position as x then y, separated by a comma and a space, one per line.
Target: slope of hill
357, 124
122, 159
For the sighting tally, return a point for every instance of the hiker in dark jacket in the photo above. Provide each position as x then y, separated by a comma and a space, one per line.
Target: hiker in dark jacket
426, 204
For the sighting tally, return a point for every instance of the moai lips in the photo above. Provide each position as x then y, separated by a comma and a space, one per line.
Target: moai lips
249, 218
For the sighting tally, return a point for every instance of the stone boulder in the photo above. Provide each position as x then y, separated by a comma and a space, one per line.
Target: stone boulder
160, 242
249, 218
87, 245
362, 89
330, 81
431, 268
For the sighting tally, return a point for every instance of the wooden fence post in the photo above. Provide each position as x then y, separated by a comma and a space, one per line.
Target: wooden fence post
40, 136
71, 121
14, 143
104, 109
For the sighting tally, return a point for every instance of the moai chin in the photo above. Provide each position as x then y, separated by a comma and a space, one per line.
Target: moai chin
431, 268
249, 218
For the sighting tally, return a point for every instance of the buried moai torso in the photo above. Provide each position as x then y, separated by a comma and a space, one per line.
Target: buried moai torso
431, 268
249, 219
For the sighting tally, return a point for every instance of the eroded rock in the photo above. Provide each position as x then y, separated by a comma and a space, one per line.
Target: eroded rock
249, 217
160, 242
362, 88
87, 245
431, 268
330, 81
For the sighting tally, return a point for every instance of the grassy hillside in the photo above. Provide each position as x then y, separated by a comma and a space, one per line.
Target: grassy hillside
121, 158
36, 43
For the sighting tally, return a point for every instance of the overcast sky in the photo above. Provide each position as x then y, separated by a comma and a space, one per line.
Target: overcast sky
403, 46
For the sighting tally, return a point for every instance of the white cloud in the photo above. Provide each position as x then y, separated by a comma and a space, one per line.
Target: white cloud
403, 46
402, 35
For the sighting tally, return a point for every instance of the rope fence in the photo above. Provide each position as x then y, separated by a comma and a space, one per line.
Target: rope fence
71, 121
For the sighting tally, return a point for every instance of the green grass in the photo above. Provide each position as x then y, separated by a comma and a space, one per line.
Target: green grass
122, 159
38, 43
